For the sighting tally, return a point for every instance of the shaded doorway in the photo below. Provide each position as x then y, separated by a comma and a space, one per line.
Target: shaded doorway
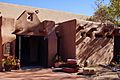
32, 50
117, 49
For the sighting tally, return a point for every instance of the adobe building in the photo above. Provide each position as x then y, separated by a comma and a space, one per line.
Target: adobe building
35, 42
36, 36
32, 39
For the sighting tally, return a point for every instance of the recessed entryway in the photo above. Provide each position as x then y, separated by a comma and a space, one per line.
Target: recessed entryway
32, 50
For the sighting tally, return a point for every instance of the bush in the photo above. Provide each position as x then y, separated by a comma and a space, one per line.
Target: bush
9, 63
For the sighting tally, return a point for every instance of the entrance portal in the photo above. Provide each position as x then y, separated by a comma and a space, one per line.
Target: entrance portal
32, 50
117, 48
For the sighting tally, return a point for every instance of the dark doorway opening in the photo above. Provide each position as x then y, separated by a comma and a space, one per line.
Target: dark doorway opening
117, 49
32, 50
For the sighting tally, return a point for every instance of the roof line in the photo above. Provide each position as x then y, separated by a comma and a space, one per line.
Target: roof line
21, 14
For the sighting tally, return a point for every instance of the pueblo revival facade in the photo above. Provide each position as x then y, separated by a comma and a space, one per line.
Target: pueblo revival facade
36, 36
35, 42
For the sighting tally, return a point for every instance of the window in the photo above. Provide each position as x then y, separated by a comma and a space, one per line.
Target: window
29, 16
6, 48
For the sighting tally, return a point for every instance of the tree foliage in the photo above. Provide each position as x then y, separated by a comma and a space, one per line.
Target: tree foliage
107, 12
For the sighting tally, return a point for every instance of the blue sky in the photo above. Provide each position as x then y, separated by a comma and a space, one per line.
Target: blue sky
85, 7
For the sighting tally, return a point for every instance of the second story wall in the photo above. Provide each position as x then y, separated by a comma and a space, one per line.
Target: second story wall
27, 21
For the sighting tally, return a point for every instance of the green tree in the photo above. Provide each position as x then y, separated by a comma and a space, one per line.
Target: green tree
107, 12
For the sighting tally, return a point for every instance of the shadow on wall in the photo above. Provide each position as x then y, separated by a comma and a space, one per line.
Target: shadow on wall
97, 49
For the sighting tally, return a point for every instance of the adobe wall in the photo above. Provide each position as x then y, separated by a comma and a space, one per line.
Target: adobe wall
88, 41
52, 48
67, 32
6, 30
24, 26
94, 43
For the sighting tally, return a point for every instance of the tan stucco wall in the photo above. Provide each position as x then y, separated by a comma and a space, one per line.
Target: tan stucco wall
27, 26
6, 30
67, 33
52, 47
96, 50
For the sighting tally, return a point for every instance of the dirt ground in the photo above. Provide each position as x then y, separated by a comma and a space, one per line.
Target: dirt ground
47, 74
38, 74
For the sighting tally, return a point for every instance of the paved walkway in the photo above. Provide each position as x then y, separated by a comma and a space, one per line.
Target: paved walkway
39, 74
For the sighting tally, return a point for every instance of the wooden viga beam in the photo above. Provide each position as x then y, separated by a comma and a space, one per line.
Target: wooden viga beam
116, 32
90, 32
80, 39
102, 33
105, 33
79, 28
83, 34
110, 34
